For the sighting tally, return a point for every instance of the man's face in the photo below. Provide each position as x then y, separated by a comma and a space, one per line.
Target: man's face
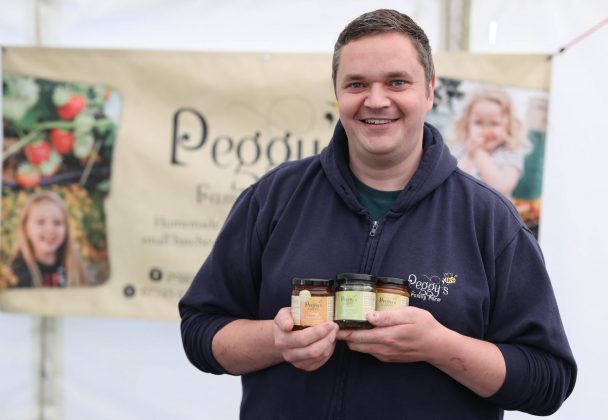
383, 97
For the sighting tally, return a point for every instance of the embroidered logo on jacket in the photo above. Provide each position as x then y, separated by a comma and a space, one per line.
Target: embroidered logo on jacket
431, 287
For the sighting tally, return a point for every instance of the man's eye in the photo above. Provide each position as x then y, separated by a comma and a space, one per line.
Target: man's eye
398, 83
356, 85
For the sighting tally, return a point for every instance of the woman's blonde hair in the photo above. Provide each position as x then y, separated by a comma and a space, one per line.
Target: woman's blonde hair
67, 252
516, 142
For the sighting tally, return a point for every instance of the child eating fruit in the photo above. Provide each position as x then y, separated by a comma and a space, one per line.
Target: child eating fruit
489, 143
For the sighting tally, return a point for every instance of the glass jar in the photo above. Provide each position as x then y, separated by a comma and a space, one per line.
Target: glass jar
355, 298
391, 293
312, 302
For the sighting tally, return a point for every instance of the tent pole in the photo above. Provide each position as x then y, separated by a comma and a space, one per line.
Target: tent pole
47, 21
50, 405
454, 25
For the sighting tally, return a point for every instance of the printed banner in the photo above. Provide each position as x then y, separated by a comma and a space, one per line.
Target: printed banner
119, 167
492, 112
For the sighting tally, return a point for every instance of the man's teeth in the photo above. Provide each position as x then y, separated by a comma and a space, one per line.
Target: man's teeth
377, 122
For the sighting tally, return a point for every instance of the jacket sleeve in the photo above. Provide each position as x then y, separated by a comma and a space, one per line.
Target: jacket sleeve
527, 328
226, 287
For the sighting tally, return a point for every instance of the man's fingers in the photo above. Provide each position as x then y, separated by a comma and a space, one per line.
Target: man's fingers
303, 338
344, 334
391, 317
311, 356
310, 335
284, 320
318, 351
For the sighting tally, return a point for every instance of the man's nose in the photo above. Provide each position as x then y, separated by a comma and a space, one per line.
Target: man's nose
377, 97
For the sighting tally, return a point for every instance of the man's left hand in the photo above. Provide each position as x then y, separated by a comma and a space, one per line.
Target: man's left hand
403, 335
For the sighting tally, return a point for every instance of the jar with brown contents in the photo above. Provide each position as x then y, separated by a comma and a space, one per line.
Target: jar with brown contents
391, 293
312, 302
355, 297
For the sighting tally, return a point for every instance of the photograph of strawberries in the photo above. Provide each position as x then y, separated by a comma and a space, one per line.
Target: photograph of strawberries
58, 139
57, 133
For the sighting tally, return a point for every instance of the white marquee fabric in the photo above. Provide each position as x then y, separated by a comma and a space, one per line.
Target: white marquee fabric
136, 369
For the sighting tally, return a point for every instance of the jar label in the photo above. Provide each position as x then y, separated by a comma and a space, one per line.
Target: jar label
354, 305
316, 310
295, 309
386, 301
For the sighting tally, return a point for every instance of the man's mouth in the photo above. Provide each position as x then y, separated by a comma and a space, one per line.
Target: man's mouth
377, 121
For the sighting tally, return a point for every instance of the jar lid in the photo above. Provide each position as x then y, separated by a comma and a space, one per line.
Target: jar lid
393, 280
304, 281
355, 276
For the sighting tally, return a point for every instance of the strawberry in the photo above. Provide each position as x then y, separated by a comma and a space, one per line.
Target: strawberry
38, 152
27, 175
488, 134
62, 141
72, 107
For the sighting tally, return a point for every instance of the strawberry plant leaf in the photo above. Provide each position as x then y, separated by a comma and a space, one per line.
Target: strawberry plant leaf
83, 145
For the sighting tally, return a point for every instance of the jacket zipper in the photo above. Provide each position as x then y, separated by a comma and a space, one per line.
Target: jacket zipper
372, 232
373, 241
341, 377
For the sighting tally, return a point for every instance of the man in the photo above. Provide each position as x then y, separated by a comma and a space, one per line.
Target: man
483, 332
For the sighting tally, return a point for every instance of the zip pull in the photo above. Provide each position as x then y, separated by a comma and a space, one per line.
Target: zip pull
374, 228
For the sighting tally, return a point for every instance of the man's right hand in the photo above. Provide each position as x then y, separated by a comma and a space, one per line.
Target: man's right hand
306, 349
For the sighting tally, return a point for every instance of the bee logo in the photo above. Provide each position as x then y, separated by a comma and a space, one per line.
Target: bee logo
449, 278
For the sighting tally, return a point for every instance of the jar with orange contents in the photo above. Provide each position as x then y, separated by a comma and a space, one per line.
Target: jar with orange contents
312, 302
391, 293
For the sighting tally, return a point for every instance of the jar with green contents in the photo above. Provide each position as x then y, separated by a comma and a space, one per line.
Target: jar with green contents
355, 298
391, 293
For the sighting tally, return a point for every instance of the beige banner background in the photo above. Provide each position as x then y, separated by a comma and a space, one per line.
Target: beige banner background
525, 71
176, 174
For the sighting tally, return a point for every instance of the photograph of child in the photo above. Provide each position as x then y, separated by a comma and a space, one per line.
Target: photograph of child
57, 151
489, 141
497, 134
46, 255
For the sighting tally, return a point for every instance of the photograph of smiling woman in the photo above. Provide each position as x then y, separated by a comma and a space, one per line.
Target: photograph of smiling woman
46, 255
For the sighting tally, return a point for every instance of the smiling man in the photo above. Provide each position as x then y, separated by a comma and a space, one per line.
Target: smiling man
483, 332
383, 96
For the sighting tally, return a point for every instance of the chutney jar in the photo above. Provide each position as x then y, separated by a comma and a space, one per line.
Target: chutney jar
312, 302
392, 293
355, 298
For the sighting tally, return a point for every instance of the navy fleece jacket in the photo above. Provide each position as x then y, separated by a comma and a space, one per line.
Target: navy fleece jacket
469, 260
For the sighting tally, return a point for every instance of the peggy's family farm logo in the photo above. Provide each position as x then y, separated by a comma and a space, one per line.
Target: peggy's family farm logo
244, 158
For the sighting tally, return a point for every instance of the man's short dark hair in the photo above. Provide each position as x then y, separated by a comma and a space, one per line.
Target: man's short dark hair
382, 21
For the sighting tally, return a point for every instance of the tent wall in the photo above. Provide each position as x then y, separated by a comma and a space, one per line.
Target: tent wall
127, 369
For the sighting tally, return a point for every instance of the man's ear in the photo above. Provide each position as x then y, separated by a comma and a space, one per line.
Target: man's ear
430, 94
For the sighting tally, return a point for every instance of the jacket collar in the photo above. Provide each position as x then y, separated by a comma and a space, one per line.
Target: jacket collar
435, 166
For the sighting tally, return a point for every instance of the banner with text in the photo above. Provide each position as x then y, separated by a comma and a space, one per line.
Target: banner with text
119, 167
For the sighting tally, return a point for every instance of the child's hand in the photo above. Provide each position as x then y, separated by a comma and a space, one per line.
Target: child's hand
492, 140
474, 142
